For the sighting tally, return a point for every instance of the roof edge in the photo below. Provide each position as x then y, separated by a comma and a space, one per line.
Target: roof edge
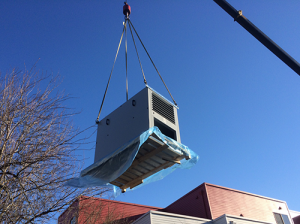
119, 202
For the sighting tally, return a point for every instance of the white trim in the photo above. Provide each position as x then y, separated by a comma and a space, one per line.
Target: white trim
294, 213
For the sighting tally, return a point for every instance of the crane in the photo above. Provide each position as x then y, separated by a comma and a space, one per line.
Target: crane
238, 16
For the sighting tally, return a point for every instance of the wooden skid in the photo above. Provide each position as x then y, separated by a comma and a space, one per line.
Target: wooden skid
153, 156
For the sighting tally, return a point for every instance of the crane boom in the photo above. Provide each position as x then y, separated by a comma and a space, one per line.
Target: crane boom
259, 35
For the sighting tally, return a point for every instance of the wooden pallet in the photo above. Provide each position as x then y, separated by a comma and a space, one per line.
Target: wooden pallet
153, 156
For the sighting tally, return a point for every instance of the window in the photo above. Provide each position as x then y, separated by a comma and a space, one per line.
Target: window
281, 218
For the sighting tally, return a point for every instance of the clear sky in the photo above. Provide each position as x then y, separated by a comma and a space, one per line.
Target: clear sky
239, 104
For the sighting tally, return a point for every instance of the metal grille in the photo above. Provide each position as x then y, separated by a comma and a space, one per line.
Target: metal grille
164, 109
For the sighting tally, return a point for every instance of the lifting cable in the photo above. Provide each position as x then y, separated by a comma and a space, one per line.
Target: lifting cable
152, 61
145, 81
97, 121
126, 11
125, 26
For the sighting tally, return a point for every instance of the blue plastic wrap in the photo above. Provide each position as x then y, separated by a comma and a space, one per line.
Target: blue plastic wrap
114, 165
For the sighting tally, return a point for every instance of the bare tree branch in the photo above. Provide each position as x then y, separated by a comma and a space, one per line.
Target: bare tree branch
38, 146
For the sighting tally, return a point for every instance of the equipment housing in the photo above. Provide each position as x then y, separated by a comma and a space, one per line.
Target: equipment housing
142, 111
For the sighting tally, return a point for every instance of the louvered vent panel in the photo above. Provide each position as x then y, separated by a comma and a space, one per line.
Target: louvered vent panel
164, 109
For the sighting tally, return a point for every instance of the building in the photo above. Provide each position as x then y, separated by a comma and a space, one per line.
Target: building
295, 216
96, 210
208, 203
211, 201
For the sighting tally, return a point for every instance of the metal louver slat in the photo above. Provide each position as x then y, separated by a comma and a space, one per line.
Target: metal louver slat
164, 109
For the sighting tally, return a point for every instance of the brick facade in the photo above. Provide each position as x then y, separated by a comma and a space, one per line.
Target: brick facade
207, 201
211, 201
98, 211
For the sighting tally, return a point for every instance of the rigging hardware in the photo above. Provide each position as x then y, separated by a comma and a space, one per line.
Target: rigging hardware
127, 12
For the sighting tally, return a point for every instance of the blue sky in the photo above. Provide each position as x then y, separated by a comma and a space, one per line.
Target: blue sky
239, 104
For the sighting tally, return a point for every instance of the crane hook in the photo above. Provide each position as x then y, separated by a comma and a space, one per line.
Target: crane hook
126, 10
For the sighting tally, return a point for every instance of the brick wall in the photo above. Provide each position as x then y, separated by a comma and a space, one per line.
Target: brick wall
212, 201
229, 201
98, 211
194, 203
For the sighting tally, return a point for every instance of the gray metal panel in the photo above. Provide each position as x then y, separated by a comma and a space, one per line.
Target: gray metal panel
125, 123
128, 122
169, 218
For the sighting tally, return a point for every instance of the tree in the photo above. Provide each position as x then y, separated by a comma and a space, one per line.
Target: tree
37, 149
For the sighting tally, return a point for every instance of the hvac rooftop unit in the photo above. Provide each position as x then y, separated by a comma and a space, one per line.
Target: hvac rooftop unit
136, 141
143, 111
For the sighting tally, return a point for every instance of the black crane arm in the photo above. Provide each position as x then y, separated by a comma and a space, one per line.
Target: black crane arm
259, 35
